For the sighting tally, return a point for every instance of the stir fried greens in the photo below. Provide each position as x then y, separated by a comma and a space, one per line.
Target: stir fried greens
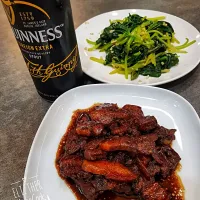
139, 46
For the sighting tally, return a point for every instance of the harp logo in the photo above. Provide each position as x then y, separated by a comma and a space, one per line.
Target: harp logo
9, 4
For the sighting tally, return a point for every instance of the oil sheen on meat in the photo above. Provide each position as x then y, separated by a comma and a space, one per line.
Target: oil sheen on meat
117, 153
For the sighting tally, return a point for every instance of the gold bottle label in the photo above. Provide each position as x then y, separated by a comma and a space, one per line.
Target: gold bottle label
43, 37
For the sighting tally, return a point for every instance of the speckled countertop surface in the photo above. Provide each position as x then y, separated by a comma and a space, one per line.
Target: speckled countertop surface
22, 109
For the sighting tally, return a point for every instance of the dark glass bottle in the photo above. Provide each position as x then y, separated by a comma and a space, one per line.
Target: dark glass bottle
45, 34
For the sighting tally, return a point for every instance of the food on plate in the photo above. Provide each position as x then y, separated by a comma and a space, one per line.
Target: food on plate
139, 45
119, 153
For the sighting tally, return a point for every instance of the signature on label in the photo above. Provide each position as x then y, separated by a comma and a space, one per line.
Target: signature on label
54, 70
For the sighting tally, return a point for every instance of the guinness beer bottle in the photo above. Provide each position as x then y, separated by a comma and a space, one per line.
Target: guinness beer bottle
45, 34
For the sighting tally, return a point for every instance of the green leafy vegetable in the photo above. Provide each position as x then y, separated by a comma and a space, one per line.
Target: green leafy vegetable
163, 64
139, 45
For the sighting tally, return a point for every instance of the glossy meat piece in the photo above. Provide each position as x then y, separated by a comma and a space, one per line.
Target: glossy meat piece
155, 192
168, 159
107, 106
71, 166
120, 157
171, 155
123, 188
142, 144
161, 159
143, 162
102, 184
93, 152
140, 183
111, 170
147, 124
119, 128
87, 189
165, 136
106, 117
89, 129
122, 127
133, 128
74, 143
144, 159
97, 129
134, 168
135, 111
93, 144
153, 168
82, 118
147, 167
84, 129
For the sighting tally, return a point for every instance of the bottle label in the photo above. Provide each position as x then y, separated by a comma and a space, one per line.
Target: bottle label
45, 34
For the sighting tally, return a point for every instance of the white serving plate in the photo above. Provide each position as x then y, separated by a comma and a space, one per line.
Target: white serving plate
92, 28
171, 110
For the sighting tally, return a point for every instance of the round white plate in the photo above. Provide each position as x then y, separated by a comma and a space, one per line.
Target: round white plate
171, 110
92, 28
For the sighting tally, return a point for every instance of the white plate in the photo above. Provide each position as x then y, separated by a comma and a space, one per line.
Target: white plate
100, 72
171, 110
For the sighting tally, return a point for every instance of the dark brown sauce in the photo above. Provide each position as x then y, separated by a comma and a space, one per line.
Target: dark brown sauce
108, 195
69, 128
75, 190
173, 183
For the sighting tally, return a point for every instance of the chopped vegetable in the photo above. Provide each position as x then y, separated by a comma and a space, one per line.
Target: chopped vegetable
139, 45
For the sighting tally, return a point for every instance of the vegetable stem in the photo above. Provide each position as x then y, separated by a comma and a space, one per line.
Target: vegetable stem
105, 47
155, 31
186, 44
157, 18
90, 42
98, 60
94, 47
126, 67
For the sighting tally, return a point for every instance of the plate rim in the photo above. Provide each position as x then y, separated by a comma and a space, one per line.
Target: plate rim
144, 84
35, 140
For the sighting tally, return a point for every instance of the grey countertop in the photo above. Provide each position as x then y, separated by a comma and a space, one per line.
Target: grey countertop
22, 109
